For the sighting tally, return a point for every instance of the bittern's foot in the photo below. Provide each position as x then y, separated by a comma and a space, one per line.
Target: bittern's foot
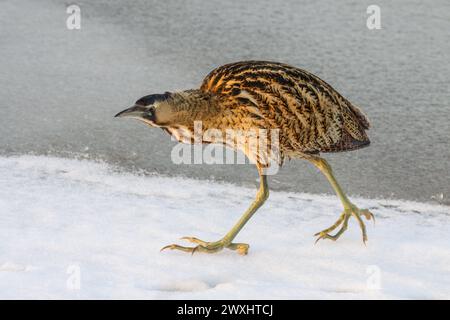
209, 247
350, 210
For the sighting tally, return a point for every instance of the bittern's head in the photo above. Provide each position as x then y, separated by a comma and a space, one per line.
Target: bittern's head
154, 109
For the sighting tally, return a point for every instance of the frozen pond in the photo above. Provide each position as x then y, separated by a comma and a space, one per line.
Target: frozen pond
59, 88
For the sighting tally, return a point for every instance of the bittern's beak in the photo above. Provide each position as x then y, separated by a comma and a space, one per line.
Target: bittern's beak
133, 112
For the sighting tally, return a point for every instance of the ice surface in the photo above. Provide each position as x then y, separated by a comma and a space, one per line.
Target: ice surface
60, 88
64, 220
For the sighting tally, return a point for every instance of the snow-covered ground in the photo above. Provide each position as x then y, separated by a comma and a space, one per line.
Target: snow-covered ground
83, 229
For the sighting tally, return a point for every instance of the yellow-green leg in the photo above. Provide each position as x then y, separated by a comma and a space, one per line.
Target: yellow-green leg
226, 241
349, 208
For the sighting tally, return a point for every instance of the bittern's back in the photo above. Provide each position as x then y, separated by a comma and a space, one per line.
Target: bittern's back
311, 115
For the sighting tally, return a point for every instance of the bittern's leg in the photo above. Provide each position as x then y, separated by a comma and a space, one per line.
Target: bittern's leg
226, 241
349, 208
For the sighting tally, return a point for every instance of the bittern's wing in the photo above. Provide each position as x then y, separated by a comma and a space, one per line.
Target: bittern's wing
311, 115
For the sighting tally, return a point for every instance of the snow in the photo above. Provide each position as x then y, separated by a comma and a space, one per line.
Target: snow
82, 229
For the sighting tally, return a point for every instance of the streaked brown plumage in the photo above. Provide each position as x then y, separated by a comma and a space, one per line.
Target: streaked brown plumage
310, 115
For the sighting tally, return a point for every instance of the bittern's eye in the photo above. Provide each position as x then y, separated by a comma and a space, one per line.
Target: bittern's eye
150, 113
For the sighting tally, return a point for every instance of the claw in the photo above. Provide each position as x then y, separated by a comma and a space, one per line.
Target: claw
170, 246
193, 250
320, 236
368, 215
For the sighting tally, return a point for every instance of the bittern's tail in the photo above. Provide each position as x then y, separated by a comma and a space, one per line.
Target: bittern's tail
354, 134
347, 143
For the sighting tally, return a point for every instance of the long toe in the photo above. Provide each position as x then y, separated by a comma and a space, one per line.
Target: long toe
195, 240
342, 221
192, 250
178, 247
351, 210
208, 247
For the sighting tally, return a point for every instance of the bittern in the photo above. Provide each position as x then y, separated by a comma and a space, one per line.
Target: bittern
311, 117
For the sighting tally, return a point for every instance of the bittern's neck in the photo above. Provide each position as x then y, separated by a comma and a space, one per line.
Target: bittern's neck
194, 105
